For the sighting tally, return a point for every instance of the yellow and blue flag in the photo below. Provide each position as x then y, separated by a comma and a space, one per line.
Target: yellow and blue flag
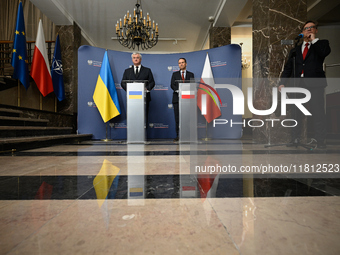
135, 95
57, 72
19, 54
107, 177
105, 94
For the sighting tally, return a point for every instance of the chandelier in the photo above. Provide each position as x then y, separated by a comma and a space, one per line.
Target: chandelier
137, 30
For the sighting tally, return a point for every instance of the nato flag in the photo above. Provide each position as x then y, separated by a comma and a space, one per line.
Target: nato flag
57, 72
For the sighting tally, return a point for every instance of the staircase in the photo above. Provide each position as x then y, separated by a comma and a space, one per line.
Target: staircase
20, 133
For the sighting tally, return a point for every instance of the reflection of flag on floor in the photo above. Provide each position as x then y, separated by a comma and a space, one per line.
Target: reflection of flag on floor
105, 94
104, 179
19, 55
40, 70
44, 191
136, 192
188, 191
208, 100
206, 180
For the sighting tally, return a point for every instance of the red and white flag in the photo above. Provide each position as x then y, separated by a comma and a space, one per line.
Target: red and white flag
188, 94
40, 70
208, 100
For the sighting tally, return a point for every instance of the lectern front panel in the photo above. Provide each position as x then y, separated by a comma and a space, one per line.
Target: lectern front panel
135, 94
187, 112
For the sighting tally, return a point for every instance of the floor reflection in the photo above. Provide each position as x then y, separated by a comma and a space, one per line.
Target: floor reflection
108, 184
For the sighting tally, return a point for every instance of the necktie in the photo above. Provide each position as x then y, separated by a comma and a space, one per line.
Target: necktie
304, 54
183, 76
136, 70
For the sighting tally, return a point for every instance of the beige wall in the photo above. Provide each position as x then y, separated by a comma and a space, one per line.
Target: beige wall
244, 35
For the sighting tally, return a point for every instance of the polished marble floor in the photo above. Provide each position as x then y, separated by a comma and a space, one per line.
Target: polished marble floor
215, 197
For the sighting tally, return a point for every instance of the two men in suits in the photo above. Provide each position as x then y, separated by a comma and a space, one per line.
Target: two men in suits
180, 76
306, 62
140, 73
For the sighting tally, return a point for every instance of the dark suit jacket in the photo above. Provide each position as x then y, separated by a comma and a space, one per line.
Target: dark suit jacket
144, 74
176, 76
312, 66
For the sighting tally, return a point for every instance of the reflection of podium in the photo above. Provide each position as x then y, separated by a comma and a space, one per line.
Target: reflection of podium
135, 97
187, 112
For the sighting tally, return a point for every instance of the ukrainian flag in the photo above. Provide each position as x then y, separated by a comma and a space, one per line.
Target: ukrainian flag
135, 95
102, 183
105, 94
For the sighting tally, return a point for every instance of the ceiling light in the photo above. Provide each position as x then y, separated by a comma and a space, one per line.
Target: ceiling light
136, 30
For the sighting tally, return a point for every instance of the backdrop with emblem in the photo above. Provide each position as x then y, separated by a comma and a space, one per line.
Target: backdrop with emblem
225, 63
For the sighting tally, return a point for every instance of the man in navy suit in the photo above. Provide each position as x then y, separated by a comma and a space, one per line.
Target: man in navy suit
180, 76
309, 58
139, 73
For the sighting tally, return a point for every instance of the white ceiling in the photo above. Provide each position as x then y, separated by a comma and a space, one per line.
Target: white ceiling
184, 20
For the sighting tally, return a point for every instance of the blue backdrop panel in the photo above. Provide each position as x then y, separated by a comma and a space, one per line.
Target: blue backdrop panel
225, 63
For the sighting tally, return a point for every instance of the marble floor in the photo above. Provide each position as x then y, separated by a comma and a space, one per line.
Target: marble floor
215, 197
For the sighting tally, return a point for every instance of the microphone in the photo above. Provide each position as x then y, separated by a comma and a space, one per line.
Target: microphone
299, 36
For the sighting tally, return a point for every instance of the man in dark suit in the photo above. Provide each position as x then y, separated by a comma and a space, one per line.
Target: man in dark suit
180, 76
309, 58
140, 73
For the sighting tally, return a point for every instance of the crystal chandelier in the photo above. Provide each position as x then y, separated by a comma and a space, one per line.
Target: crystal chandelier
136, 30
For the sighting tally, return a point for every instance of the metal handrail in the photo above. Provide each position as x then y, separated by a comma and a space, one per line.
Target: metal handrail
332, 65
6, 48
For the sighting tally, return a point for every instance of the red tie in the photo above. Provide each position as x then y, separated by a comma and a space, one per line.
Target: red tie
183, 76
304, 54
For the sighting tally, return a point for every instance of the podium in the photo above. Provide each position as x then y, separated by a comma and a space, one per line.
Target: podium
187, 112
135, 100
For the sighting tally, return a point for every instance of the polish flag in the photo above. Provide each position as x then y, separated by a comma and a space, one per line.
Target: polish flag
188, 94
208, 100
40, 70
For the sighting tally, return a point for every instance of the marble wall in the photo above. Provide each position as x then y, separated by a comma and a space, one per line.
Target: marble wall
219, 36
70, 41
273, 21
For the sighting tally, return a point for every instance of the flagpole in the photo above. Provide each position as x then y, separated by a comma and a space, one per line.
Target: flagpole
40, 102
106, 139
19, 93
55, 104
206, 132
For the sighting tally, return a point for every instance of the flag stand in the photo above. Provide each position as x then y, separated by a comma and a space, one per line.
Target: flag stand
206, 138
40, 104
106, 139
19, 95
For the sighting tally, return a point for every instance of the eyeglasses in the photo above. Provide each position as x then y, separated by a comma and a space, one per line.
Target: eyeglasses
306, 28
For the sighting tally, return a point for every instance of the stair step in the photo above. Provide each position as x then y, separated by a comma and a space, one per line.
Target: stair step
25, 143
38, 138
10, 112
19, 121
21, 131
33, 128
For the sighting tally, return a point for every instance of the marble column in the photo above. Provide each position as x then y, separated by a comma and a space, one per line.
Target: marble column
70, 41
219, 36
273, 21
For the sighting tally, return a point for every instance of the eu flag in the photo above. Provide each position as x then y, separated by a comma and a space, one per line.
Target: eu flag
105, 94
57, 72
19, 54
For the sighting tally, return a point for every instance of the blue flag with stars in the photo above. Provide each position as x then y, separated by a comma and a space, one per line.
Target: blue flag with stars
57, 72
19, 54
